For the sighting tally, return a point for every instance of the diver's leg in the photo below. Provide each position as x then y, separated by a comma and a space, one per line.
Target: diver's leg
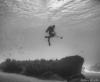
49, 41
46, 36
59, 37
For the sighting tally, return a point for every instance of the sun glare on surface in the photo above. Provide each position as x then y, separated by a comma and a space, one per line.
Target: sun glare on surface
53, 9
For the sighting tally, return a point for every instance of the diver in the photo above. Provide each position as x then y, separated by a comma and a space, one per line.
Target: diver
51, 33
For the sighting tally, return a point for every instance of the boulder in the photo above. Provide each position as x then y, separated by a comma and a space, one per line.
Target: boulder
69, 66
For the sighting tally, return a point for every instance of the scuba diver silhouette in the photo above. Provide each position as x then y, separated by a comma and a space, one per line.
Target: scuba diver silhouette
51, 31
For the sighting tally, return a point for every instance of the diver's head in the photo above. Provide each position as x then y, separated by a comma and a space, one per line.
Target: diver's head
53, 26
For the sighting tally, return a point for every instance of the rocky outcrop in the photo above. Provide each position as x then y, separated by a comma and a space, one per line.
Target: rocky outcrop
65, 68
